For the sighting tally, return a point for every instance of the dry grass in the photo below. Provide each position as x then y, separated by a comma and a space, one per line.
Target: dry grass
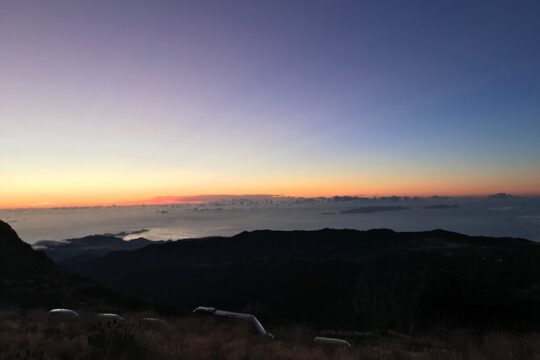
35, 335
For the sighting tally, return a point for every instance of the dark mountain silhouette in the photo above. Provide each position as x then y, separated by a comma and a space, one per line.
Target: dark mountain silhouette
80, 250
339, 278
17, 259
29, 279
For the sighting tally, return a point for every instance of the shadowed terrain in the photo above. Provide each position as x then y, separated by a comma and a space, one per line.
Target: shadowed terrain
29, 279
339, 278
84, 249
449, 296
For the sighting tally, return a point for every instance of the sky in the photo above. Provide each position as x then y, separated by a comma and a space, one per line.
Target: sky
114, 101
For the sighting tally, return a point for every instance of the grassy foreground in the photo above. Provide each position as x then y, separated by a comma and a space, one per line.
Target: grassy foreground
35, 335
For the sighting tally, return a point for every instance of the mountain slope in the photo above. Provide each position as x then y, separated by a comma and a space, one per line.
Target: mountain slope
29, 279
80, 250
17, 259
340, 278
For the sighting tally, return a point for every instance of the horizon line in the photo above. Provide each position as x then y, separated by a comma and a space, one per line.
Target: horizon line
163, 200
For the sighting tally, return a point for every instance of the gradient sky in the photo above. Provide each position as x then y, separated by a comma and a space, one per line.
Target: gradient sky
108, 101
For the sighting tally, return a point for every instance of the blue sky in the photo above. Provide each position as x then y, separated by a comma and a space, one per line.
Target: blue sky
120, 100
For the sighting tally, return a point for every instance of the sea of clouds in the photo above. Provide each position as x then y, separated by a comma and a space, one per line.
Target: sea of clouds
490, 216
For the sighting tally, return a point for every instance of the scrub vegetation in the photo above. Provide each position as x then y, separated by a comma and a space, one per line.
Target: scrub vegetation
37, 335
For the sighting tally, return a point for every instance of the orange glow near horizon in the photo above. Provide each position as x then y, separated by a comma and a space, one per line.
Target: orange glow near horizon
195, 198
85, 189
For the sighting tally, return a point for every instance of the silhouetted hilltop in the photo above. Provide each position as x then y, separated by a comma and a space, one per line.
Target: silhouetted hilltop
89, 247
29, 279
17, 259
246, 247
328, 278
339, 278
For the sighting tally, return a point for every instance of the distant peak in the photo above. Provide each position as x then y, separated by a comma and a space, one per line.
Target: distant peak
7, 233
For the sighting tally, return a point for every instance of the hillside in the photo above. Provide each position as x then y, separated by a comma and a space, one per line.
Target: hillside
29, 279
339, 278
18, 260
80, 250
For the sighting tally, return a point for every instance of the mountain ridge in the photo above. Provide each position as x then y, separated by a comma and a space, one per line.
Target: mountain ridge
339, 278
29, 279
